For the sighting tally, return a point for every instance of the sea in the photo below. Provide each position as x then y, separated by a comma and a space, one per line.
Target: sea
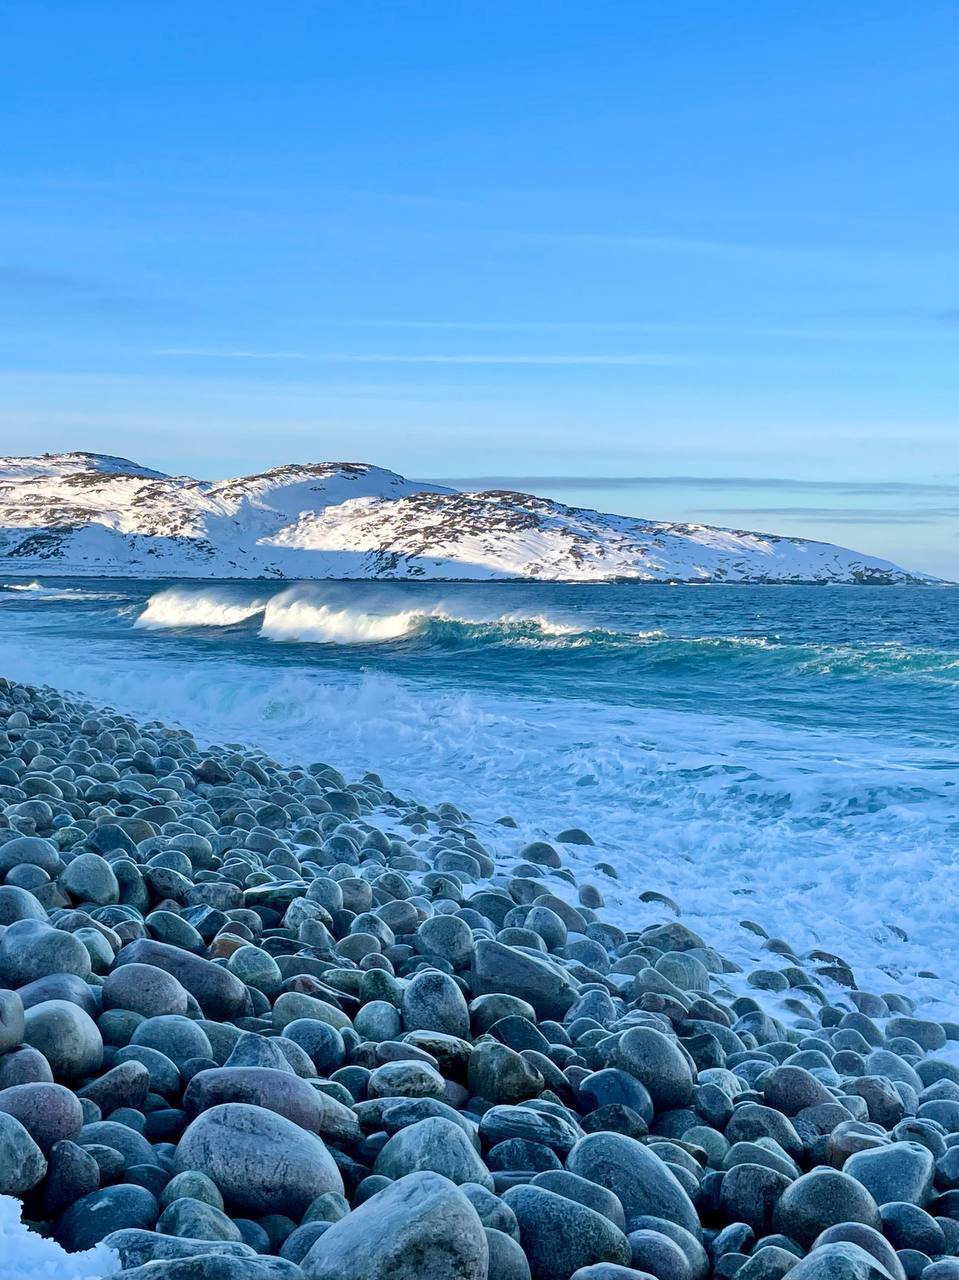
784, 756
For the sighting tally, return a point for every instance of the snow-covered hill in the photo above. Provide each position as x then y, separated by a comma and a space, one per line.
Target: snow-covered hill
84, 513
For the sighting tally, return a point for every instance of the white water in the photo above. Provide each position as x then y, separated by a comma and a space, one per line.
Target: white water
303, 614
53, 594
290, 617
170, 609
826, 838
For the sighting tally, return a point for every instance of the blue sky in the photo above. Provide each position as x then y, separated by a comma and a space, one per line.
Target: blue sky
690, 261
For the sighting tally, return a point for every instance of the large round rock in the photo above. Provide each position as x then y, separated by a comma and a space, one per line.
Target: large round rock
559, 1235
22, 1163
823, 1198
642, 1182
67, 1037
435, 1144
899, 1171
145, 989
433, 1002
261, 1162
48, 1112
218, 992
421, 1226
658, 1063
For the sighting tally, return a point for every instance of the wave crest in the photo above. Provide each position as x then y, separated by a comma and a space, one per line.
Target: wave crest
307, 616
174, 608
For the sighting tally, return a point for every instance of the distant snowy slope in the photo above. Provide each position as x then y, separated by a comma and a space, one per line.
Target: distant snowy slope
84, 513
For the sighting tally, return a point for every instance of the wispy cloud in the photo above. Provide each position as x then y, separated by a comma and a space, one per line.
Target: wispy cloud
509, 358
445, 358
848, 488
45, 288
850, 329
227, 353
843, 515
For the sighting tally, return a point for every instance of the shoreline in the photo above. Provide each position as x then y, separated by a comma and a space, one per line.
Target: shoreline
290, 924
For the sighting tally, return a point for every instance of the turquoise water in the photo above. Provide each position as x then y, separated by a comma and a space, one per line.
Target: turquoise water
788, 753
861, 658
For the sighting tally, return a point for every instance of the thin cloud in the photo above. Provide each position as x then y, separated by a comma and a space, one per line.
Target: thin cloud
227, 353
855, 331
40, 287
390, 357
509, 359
849, 488
843, 515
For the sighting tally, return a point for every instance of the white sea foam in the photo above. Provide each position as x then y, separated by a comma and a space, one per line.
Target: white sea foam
290, 616
36, 591
175, 608
312, 615
825, 837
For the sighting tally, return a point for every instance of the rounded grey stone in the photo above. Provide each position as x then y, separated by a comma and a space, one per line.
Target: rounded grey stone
259, 1161
420, 1226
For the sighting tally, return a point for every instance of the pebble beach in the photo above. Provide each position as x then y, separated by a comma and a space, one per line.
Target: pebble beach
264, 1020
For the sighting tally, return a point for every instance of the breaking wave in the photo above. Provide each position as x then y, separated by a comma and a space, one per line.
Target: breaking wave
320, 615
171, 609
305, 616
36, 591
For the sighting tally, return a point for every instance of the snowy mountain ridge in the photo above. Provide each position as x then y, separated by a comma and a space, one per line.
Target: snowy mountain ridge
91, 514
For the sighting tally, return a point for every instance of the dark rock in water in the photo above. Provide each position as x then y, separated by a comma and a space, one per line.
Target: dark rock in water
420, 1226
261, 1162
